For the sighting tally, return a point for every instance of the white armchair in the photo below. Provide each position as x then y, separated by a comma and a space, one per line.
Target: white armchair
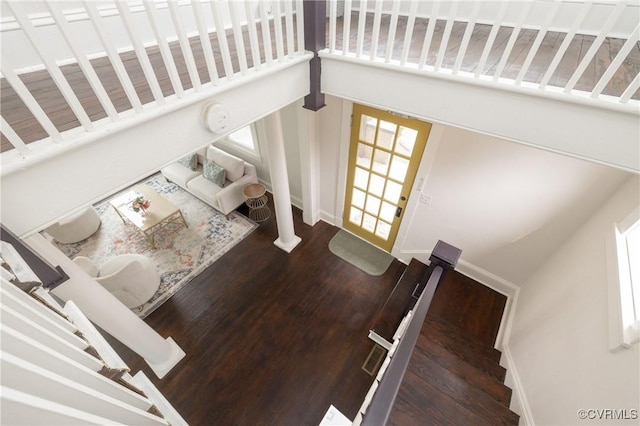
132, 278
76, 227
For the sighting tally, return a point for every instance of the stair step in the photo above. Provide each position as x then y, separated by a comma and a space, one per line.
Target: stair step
423, 402
460, 336
473, 398
468, 351
470, 374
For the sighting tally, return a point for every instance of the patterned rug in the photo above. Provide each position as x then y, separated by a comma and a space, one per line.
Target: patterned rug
180, 254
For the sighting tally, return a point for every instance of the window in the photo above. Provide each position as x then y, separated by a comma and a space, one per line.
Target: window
626, 277
245, 139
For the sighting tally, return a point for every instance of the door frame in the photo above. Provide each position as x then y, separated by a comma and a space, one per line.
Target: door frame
347, 133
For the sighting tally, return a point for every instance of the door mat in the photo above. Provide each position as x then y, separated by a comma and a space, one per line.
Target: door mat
360, 253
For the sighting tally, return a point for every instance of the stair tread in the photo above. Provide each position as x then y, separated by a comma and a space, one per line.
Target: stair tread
463, 350
419, 399
460, 336
473, 398
472, 375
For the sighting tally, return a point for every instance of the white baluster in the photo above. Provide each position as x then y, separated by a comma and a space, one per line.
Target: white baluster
491, 39
300, 25
606, 28
411, 20
393, 26
288, 19
141, 53
333, 6
206, 43
586, 7
375, 37
445, 36
512, 40
466, 37
266, 33
346, 26
617, 61
83, 62
13, 137
536, 43
165, 50
51, 65
428, 37
114, 57
221, 34
253, 34
28, 99
237, 36
192, 68
362, 19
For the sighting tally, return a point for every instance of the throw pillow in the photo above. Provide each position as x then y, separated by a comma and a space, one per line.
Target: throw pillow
232, 164
190, 161
214, 172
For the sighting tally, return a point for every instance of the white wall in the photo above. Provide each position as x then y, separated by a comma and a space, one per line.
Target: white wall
559, 341
507, 206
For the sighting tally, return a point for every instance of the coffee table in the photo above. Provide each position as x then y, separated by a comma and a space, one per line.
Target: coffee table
160, 213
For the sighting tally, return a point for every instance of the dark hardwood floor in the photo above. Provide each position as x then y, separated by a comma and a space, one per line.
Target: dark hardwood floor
273, 338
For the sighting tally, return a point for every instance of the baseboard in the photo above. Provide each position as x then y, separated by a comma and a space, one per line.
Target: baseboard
519, 403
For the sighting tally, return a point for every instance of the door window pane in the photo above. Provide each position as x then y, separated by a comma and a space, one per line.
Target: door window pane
364, 156
355, 216
406, 140
399, 167
357, 198
383, 229
369, 223
381, 161
386, 134
368, 128
373, 205
376, 185
387, 211
361, 179
392, 192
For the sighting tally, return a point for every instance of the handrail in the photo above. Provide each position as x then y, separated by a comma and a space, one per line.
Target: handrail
444, 257
378, 411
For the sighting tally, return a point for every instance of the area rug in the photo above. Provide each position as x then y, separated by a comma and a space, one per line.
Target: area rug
360, 253
180, 254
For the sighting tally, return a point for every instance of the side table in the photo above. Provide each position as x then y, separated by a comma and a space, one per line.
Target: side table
257, 199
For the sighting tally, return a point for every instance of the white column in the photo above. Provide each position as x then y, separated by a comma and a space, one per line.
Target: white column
287, 239
309, 167
108, 312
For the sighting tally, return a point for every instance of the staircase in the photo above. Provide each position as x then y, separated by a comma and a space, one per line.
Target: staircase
453, 378
453, 374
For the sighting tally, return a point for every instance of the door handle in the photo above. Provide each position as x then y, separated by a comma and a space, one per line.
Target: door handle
398, 211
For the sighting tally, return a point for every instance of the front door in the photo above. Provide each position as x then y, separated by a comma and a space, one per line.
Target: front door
384, 155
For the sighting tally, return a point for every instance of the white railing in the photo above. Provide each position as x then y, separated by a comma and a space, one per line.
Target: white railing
599, 19
80, 32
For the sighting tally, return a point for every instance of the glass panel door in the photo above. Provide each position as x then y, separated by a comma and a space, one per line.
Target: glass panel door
383, 160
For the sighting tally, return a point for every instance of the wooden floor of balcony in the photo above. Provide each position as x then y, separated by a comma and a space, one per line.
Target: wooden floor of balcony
44, 90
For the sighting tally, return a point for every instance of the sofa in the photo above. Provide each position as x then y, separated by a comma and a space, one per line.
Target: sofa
214, 176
